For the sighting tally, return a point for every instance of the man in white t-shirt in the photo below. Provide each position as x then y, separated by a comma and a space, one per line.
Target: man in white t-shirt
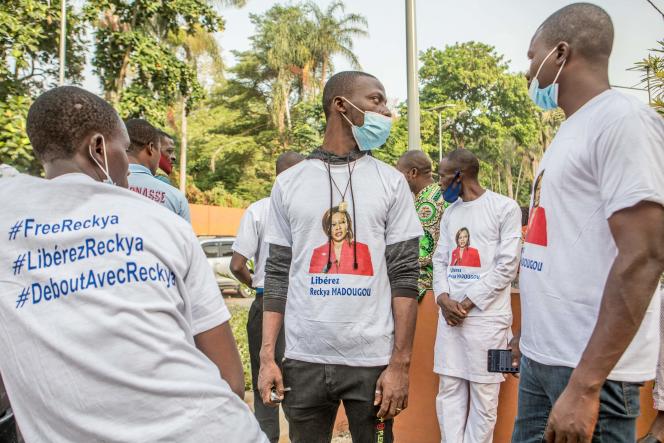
476, 259
250, 243
594, 248
115, 335
656, 432
342, 273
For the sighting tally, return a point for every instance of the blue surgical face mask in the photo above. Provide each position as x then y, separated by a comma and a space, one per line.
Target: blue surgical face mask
104, 169
545, 98
374, 132
452, 192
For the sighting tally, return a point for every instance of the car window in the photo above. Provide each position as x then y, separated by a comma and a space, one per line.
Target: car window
211, 249
226, 249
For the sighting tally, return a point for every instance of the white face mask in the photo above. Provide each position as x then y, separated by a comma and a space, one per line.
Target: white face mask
104, 169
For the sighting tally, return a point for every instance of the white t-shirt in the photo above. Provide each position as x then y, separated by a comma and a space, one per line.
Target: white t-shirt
343, 316
477, 256
606, 157
98, 315
250, 242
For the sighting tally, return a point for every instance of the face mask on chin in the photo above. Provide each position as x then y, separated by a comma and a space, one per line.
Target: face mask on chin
104, 169
374, 132
453, 190
546, 98
165, 164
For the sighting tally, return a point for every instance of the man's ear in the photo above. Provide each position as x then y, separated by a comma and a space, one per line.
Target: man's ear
339, 105
152, 149
95, 145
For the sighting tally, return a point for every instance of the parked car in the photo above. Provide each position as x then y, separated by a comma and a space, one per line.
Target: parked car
218, 251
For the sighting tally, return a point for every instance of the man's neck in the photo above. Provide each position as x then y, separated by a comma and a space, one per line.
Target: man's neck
133, 160
472, 191
338, 138
60, 167
586, 85
419, 186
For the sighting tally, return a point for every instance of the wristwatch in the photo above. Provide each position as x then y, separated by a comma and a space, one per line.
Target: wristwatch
650, 439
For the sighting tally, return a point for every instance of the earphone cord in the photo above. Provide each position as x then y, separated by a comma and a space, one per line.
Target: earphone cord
329, 228
352, 196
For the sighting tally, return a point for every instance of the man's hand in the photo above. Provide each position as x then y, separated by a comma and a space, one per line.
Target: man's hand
467, 305
453, 312
513, 345
392, 391
270, 377
574, 415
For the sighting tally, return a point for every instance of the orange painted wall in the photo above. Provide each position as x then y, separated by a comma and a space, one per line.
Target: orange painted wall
419, 424
215, 220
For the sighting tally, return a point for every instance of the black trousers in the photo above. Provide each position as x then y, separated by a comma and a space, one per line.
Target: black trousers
316, 391
268, 418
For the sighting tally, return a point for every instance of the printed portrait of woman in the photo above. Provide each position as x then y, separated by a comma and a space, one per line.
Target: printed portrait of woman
464, 255
536, 233
341, 248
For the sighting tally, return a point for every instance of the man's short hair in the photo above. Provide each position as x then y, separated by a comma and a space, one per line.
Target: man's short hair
416, 159
59, 119
341, 84
164, 134
586, 27
288, 159
141, 133
465, 161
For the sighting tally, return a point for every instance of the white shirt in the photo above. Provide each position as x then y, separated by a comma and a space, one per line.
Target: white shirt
249, 240
477, 256
103, 314
343, 316
606, 157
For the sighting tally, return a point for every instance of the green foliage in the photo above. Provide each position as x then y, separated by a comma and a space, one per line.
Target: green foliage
29, 64
653, 76
139, 70
15, 147
482, 106
29, 46
239, 315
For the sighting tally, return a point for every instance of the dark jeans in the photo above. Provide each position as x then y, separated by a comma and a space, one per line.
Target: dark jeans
541, 385
268, 418
316, 391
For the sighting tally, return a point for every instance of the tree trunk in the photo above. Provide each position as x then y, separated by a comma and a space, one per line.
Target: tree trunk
183, 148
500, 184
518, 182
287, 109
508, 178
323, 73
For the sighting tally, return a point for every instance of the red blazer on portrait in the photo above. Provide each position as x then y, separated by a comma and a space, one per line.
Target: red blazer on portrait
470, 258
537, 227
364, 266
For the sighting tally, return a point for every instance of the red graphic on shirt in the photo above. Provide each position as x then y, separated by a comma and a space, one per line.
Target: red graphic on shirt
464, 255
341, 247
152, 194
536, 233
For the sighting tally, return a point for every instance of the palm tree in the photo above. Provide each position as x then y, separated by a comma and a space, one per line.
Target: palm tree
334, 35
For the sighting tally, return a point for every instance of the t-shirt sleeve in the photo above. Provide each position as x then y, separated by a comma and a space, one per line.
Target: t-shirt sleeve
628, 161
278, 227
441, 259
402, 220
246, 240
208, 308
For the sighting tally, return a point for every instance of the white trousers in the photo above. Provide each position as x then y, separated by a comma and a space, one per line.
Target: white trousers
467, 411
